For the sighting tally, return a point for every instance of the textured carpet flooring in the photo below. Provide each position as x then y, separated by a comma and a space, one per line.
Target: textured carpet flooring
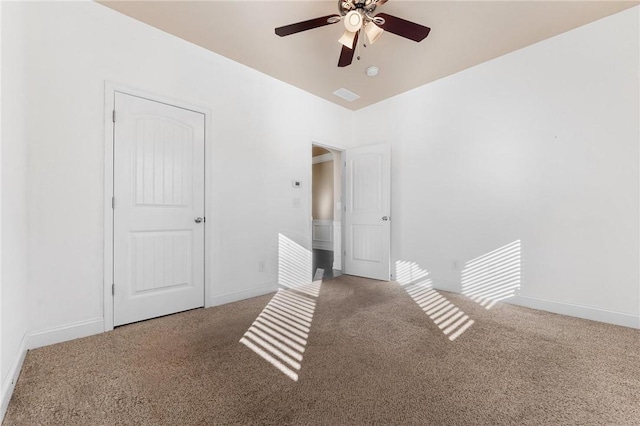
373, 356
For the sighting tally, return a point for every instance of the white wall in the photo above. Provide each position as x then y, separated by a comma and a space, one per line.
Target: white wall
13, 190
261, 140
540, 145
1, 367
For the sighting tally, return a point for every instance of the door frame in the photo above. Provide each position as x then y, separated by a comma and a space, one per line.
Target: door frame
328, 145
110, 90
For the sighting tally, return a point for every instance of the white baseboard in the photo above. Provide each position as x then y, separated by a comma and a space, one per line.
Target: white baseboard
14, 372
569, 309
39, 338
235, 296
64, 333
579, 311
445, 285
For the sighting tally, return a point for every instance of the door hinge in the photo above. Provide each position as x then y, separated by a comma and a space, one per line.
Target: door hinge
113, 202
113, 289
113, 116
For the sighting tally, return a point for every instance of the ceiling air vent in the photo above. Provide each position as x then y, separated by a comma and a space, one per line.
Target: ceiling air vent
347, 95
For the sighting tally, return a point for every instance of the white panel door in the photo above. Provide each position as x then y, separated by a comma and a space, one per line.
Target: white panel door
158, 209
367, 218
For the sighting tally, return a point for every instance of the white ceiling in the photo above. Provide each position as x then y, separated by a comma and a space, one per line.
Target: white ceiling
463, 34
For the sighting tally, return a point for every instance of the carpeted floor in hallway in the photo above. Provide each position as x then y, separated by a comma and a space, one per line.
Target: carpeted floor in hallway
372, 356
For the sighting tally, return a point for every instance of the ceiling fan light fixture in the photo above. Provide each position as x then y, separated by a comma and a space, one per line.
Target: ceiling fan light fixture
378, 20
358, 15
353, 21
373, 32
347, 39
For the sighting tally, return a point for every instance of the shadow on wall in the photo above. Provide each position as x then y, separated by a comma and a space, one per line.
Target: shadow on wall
279, 334
494, 276
450, 319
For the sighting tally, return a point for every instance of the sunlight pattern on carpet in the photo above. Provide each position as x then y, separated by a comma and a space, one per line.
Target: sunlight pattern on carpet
450, 319
279, 334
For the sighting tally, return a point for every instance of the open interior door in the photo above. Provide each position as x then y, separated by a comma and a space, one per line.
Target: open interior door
367, 218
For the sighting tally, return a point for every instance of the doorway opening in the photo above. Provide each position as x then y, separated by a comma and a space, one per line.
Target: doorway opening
326, 212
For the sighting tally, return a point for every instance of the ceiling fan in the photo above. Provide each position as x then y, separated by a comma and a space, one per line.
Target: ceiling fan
358, 17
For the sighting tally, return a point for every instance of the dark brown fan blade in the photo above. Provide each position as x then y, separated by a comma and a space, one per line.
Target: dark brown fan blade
346, 54
305, 25
404, 28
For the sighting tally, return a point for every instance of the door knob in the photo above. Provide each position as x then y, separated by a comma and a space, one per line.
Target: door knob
385, 218
198, 219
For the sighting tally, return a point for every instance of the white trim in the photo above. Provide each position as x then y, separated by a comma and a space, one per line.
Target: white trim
209, 230
562, 308
579, 311
37, 339
10, 381
444, 285
64, 333
322, 158
236, 296
110, 89
322, 244
337, 245
326, 144
109, 102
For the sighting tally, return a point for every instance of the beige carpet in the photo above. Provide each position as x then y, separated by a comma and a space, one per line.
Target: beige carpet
373, 356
